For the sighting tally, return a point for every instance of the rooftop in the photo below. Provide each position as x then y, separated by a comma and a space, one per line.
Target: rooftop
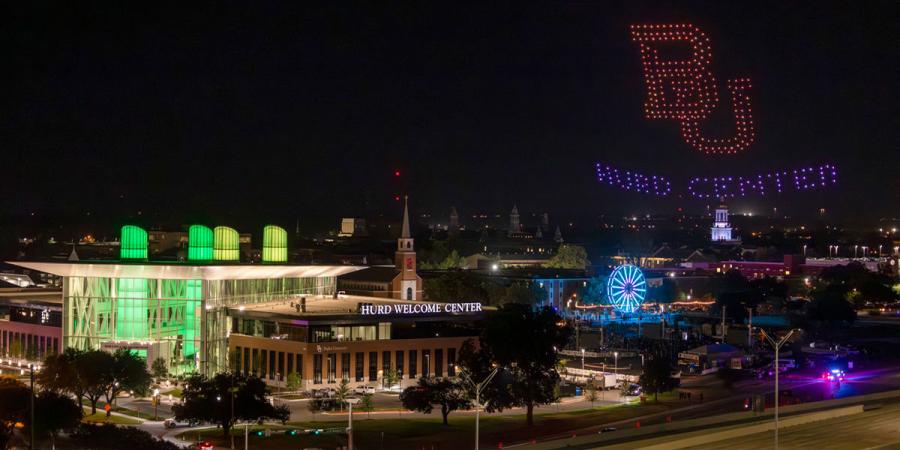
184, 271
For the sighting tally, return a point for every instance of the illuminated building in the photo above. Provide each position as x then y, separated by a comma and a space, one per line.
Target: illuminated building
720, 232
399, 282
174, 311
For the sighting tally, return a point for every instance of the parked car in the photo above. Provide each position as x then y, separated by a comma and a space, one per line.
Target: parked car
606, 430
364, 390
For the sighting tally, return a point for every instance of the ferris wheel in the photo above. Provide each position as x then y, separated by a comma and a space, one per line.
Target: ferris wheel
626, 288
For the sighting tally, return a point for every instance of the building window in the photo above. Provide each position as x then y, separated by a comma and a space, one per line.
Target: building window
373, 366
385, 365
290, 364
262, 363
451, 362
236, 361
332, 367
413, 362
255, 361
300, 365
345, 366
399, 364
271, 365
317, 369
438, 362
280, 366
409, 293
426, 362
384, 330
360, 363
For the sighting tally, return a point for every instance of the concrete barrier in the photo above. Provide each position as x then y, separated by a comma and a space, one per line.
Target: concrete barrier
708, 437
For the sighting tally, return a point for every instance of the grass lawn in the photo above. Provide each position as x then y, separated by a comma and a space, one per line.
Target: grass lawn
416, 433
100, 417
174, 392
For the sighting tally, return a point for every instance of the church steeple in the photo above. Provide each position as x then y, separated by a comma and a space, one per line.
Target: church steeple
405, 243
406, 285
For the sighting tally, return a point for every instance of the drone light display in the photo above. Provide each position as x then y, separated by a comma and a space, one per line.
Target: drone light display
626, 288
685, 90
633, 181
802, 179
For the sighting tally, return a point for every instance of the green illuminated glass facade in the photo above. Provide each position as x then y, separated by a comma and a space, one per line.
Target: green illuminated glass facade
133, 243
200, 243
274, 244
182, 321
227, 245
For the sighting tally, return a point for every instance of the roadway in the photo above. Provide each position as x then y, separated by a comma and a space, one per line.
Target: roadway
870, 429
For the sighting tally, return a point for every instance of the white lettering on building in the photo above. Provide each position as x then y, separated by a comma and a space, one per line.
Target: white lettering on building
419, 308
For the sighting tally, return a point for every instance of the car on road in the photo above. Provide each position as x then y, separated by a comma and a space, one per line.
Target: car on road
606, 430
633, 390
174, 423
205, 445
834, 375
364, 390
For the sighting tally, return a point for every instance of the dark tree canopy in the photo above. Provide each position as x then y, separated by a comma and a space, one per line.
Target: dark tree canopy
55, 412
112, 437
209, 400
657, 376
520, 340
430, 391
13, 407
830, 306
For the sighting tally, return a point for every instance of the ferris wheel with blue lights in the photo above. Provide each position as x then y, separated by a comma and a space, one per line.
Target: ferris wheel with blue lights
626, 288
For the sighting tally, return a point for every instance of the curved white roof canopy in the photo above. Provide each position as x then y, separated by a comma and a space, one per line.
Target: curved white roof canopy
185, 271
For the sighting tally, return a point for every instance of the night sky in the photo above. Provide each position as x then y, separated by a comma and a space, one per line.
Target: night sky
265, 110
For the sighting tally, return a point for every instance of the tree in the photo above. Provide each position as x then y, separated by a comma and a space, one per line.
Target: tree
452, 261
54, 412
314, 406
159, 369
93, 368
112, 437
342, 392
13, 407
293, 381
128, 372
523, 293
568, 256
366, 404
591, 393
829, 305
527, 363
667, 292
595, 291
391, 378
59, 374
454, 285
657, 376
447, 393
209, 400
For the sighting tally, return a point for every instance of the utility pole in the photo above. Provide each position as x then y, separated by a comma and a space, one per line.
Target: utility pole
777, 344
724, 308
31, 408
750, 329
478, 388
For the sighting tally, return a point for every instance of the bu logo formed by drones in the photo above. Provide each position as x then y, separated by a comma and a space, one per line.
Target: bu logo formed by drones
685, 90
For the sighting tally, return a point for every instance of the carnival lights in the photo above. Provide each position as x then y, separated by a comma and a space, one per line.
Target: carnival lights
626, 288
685, 89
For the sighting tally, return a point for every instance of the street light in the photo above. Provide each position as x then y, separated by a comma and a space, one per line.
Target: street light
31, 408
582, 360
478, 388
777, 344
350, 402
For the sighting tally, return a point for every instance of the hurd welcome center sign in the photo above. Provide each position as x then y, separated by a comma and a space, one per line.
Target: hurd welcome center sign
418, 308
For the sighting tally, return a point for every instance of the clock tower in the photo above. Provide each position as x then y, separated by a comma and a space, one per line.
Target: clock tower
407, 284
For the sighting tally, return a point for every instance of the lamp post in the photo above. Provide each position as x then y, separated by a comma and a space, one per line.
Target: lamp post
350, 403
777, 345
478, 388
31, 407
156, 404
582, 360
